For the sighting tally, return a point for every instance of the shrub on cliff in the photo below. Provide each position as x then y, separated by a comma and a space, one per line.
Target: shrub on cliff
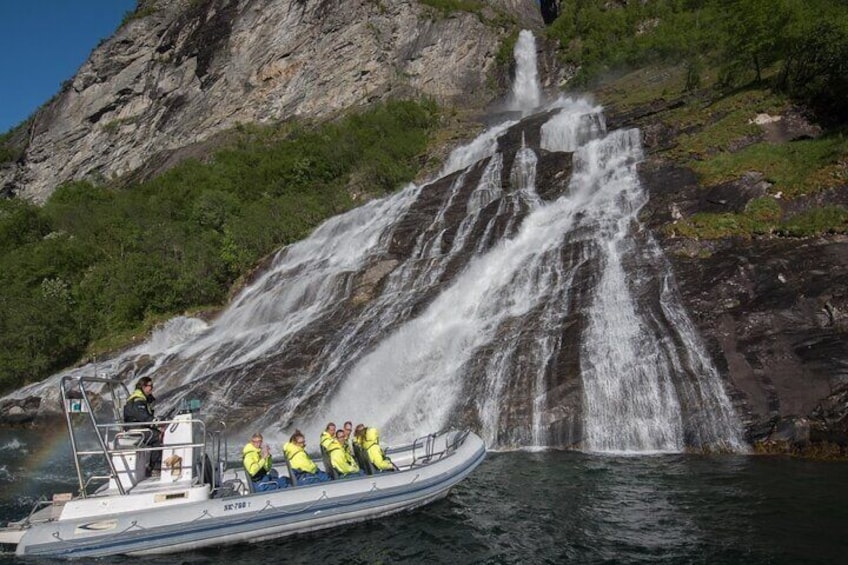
806, 41
97, 261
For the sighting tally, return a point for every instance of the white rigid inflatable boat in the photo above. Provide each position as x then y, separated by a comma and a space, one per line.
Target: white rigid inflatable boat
198, 502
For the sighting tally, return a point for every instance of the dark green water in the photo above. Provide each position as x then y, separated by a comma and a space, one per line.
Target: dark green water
554, 507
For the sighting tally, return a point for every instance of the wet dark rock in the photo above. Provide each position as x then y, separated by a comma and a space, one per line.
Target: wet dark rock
18, 412
367, 284
675, 193
773, 311
137, 367
764, 306
550, 10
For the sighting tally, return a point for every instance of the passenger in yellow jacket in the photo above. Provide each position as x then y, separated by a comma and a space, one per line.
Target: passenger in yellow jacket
375, 452
327, 436
359, 434
348, 437
341, 460
257, 462
304, 469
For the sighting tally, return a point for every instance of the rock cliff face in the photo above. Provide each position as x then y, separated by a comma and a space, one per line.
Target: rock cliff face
183, 70
774, 311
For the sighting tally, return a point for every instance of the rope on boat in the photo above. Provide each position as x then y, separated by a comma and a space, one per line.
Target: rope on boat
282, 510
367, 494
202, 514
132, 525
310, 505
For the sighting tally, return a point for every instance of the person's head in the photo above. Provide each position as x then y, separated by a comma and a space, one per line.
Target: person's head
348, 426
359, 431
145, 385
341, 435
256, 439
331, 429
298, 439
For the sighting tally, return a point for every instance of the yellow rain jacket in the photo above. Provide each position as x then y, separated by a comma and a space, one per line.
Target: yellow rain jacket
341, 460
325, 440
298, 458
255, 465
375, 452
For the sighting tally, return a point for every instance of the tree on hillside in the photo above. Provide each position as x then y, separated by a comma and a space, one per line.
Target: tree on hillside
815, 58
753, 32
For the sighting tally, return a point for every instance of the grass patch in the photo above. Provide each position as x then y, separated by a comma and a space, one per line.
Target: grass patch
762, 217
125, 338
13, 142
794, 169
446, 7
721, 143
819, 221
716, 124
641, 87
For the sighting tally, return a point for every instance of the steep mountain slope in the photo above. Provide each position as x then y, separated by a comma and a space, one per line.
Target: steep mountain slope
178, 72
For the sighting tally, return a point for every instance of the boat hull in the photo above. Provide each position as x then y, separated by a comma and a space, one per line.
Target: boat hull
256, 517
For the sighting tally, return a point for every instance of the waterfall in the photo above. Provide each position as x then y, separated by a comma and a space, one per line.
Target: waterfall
631, 395
636, 382
538, 314
525, 90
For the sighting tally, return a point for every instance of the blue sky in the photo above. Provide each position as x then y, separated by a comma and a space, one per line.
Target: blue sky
43, 43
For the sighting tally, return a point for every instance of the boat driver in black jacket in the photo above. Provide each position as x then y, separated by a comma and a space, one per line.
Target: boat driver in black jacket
139, 408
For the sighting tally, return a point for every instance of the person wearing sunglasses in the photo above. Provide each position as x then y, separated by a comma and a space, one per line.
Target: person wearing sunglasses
305, 470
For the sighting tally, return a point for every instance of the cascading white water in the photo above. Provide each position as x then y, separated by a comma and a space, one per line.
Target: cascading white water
499, 287
413, 378
630, 401
577, 123
526, 95
634, 378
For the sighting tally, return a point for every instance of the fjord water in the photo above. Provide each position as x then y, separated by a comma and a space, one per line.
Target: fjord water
544, 507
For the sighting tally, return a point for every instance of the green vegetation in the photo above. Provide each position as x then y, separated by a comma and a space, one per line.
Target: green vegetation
725, 62
723, 145
448, 6
762, 216
506, 51
830, 219
11, 144
96, 262
488, 14
794, 169
138, 14
806, 40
